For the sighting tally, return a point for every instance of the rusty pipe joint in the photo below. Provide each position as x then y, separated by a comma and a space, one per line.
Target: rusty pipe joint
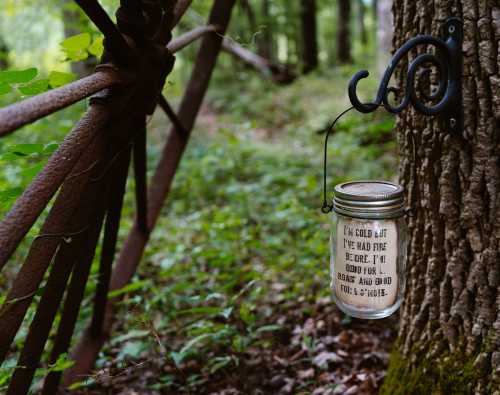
142, 24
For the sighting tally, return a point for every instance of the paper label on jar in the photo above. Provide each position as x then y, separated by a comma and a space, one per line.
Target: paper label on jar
365, 264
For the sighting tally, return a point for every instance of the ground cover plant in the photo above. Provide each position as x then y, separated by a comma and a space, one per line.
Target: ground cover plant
234, 293
237, 272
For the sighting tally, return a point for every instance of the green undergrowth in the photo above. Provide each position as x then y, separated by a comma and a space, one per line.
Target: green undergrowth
242, 239
241, 236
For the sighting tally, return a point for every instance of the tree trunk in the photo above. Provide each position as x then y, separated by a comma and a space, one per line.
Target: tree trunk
265, 39
343, 32
449, 339
247, 8
385, 29
4, 54
279, 73
291, 33
309, 39
361, 22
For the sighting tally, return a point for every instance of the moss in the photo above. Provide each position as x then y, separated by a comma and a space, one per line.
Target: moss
451, 374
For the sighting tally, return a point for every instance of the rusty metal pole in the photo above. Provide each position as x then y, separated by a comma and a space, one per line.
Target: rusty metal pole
140, 173
86, 351
43, 248
29, 110
35, 198
172, 116
113, 216
67, 255
73, 301
180, 9
96, 206
114, 40
173, 150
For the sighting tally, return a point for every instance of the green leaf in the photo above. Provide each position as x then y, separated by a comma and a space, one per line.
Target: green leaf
75, 47
201, 310
240, 343
62, 363
6, 370
190, 344
132, 334
26, 149
177, 357
50, 148
35, 87
227, 312
167, 263
218, 363
5, 377
58, 78
269, 328
32, 171
214, 295
18, 76
97, 47
78, 42
80, 384
10, 194
5, 88
246, 314
243, 290
132, 349
128, 288
77, 56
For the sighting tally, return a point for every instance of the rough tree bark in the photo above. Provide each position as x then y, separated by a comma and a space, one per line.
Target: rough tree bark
343, 32
449, 339
309, 35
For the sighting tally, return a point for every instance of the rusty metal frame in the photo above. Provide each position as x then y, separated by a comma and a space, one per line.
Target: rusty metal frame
140, 170
89, 169
17, 115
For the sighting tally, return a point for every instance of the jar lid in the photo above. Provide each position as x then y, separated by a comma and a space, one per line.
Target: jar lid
369, 199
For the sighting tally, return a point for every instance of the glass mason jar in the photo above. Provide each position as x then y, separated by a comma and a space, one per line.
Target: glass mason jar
368, 248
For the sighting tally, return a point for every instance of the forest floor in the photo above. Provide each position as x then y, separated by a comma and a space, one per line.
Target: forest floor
232, 295
321, 352
235, 296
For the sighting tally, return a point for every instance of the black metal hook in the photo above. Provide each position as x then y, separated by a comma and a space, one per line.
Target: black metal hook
447, 98
448, 61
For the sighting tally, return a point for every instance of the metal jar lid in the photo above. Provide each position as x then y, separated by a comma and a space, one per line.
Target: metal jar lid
369, 199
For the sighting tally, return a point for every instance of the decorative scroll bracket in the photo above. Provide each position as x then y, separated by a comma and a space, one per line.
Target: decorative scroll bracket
446, 98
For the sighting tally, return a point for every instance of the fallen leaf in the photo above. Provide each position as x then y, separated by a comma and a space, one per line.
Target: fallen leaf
305, 374
352, 391
340, 390
324, 358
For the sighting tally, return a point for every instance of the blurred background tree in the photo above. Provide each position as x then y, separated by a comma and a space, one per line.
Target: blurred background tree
309, 35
